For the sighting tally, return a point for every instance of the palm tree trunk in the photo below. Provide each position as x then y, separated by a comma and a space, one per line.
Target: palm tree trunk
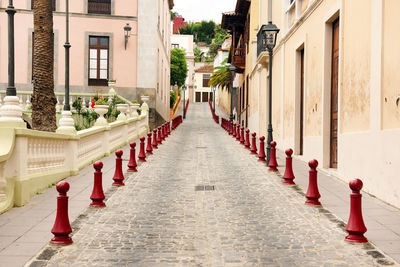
43, 98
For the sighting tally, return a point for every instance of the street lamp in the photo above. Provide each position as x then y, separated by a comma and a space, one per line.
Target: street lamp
127, 31
10, 111
268, 42
67, 46
214, 89
184, 98
232, 70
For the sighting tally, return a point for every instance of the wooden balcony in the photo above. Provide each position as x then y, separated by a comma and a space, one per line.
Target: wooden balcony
239, 58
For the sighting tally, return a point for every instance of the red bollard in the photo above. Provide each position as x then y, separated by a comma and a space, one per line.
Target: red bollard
253, 149
159, 138
238, 132
149, 148
234, 130
355, 226
132, 159
231, 128
247, 142
97, 196
261, 153
165, 130
162, 133
118, 175
242, 135
272, 158
155, 143
142, 154
312, 191
62, 228
168, 128
288, 176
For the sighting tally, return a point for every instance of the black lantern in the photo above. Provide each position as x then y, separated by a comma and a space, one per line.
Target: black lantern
127, 30
269, 33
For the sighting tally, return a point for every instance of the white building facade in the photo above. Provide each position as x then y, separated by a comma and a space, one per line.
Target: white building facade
186, 42
154, 42
202, 91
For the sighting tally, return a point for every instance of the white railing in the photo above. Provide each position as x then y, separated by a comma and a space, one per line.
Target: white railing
32, 160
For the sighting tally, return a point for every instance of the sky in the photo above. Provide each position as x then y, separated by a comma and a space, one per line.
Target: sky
198, 10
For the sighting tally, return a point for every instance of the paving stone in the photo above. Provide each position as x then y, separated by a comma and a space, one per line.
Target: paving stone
250, 219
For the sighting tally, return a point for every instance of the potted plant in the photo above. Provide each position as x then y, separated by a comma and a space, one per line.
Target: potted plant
101, 108
134, 108
122, 107
111, 82
145, 98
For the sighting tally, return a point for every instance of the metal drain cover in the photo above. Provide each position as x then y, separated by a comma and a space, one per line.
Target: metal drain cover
204, 188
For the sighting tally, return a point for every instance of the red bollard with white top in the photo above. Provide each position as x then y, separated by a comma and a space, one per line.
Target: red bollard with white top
288, 176
62, 228
355, 226
312, 194
118, 175
97, 196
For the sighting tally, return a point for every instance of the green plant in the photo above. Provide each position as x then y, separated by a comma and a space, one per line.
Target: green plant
172, 98
101, 101
134, 101
119, 101
178, 67
77, 104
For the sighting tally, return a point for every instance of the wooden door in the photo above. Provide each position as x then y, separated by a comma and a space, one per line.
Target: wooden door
205, 97
334, 94
301, 100
198, 96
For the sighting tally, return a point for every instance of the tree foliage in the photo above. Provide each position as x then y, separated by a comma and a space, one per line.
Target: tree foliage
220, 36
178, 67
198, 54
221, 76
202, 32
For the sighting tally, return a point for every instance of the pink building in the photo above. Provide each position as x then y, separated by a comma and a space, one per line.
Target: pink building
97, 45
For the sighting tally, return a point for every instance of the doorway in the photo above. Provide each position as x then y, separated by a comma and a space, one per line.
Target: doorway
334, 94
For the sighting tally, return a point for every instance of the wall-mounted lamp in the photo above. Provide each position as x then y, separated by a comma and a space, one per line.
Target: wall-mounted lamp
127, 31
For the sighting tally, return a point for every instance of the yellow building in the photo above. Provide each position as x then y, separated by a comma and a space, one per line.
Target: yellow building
335, 91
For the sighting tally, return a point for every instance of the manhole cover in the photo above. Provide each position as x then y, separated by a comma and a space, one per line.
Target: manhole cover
204, 188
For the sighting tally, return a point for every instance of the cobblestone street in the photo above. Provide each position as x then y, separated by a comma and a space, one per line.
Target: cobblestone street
245, 217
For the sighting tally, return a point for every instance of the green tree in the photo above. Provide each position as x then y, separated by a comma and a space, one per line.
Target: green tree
178, 67
221, 76
43, 97
198, 54
202, 32
220, 36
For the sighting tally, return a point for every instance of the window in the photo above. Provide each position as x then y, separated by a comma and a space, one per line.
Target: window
175, 45
99, 6
206, 79
98, 60
54, 4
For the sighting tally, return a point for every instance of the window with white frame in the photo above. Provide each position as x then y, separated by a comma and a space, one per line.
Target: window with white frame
98, 60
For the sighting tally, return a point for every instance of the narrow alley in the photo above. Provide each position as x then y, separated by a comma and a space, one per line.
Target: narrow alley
203, 200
